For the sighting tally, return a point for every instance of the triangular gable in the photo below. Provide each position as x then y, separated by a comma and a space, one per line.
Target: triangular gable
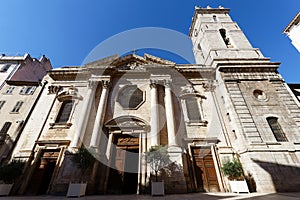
128, 62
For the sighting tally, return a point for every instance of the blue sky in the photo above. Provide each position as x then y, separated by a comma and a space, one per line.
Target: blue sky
67, 30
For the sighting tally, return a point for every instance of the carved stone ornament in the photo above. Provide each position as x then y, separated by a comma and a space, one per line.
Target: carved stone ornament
128, 141
132, 66
54, 89
188, 89
209, 86
105, 83
68, 93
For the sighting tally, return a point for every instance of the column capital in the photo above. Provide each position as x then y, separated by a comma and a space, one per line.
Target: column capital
167, 83
153, 84
105, 83
92, 83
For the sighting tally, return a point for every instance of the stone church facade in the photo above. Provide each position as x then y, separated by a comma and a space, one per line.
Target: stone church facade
232, 103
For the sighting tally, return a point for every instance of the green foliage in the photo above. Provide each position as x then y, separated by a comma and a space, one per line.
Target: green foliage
11, 171
233, 169
83, 158
158, 158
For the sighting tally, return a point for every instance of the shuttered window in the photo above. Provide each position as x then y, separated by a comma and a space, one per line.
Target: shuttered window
64, 112
10, 90
276, 129
5, 68
3, 131
27, 90
17, 106
2, 104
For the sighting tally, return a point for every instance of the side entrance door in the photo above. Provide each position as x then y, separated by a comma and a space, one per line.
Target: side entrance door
43, 172
206, 176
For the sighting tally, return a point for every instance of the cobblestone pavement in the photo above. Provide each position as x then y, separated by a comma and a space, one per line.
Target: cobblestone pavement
192, 196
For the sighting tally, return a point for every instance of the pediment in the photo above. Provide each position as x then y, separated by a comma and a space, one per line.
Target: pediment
126, 122
128, 62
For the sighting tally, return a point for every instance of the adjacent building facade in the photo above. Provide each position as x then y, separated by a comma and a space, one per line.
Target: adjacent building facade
232, 103
293, 31
20, 89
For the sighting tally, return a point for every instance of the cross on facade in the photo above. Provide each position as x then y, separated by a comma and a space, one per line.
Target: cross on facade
134, 51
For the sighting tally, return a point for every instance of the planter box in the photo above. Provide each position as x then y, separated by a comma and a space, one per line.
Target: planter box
5, 189
239, 186
76, 189
157, 188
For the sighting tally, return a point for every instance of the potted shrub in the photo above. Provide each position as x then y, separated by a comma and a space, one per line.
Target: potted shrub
9, 173
158, 158
84, 161
234, 170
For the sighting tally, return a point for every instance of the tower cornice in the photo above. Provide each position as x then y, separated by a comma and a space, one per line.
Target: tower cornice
207, 10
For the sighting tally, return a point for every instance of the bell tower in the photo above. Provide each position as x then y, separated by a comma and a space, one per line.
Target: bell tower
215, 35
259, 113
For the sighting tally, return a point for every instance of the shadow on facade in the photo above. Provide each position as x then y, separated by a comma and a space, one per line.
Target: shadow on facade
250, 182
173, 177
285, 178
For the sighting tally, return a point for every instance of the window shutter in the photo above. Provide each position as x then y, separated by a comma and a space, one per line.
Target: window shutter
32, 89
22, 91
17, 106
1, 104
4, 130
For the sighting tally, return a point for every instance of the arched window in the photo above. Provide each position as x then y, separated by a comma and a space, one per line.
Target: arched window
64, 112
224, 37
276, 129
214, 18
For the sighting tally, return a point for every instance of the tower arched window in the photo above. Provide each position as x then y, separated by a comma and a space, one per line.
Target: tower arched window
214, 18
64, 112
276, 129
224, 37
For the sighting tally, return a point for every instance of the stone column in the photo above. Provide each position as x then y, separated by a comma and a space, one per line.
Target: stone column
154, 135
85, 112
97, 130
170, 114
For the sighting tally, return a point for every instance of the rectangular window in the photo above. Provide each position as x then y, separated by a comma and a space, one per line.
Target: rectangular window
10, 90
5, 68
2, 104
27, 90
192, 108
17, 106
64, 112
3, 131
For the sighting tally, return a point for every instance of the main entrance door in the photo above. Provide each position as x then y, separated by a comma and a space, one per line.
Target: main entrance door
206, 177
42, 174
123, 177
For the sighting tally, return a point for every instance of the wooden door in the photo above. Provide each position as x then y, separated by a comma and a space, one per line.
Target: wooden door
123, 176
206, 176
116, 174
42, 175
